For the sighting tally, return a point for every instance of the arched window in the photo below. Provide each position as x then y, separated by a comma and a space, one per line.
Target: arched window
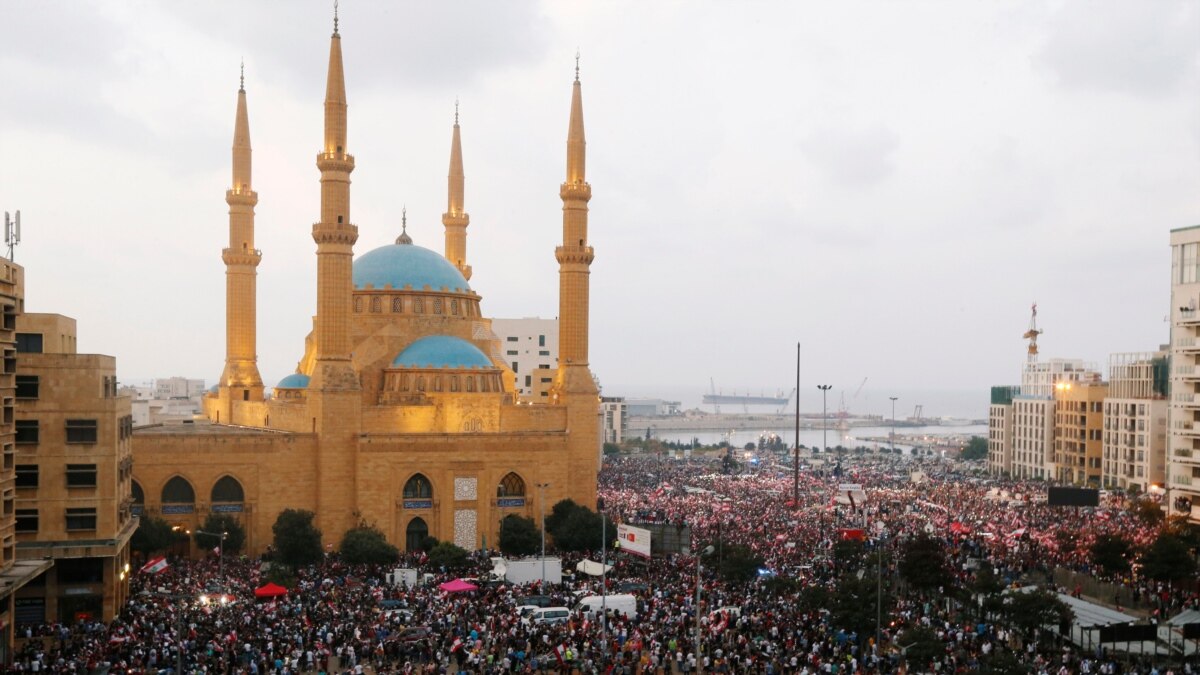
139, 497
375, 302
415, 535
397, 304
228, 489
178, 491
418, 487
454, 307
357, 304
453, 383
418, 306
437, 305
511, 486
470, 382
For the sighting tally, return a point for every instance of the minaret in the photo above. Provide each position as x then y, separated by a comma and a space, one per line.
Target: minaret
574, 386
455, 218
334, 393
241, 380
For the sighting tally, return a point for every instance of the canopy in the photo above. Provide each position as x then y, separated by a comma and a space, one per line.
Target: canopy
591, 568
458, 586
271, 590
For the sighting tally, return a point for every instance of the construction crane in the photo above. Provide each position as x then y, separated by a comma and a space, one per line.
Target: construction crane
844, 410
1032, 335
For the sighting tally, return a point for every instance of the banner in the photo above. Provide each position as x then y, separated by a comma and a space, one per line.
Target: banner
634, 540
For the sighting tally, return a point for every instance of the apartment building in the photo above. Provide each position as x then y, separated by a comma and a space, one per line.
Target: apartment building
1079, 432
1183, 439
530, 347
1000, 430
614, 414
1135, 421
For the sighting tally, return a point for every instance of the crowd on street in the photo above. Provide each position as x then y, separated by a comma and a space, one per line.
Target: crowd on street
348, 619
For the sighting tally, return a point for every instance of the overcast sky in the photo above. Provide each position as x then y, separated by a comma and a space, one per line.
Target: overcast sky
890, 183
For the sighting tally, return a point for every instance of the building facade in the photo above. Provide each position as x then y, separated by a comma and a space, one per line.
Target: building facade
1183, 441
404, 410
616, 419
1079, 432
74, 469
1135, 422
531, 349
1000, 430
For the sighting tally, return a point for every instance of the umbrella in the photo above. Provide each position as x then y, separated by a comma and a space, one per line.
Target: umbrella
458, 586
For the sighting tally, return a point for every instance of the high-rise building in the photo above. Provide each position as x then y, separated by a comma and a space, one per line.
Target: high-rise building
74, 465
1000, 430
530, 348
403, 411
1079, 432
1033, 414
1183, 442
616, 418
1135, 421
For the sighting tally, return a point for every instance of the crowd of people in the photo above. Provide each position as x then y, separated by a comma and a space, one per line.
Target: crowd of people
343, 618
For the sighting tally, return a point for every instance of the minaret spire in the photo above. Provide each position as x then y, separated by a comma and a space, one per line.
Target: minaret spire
241, 380
455, 219
576, 156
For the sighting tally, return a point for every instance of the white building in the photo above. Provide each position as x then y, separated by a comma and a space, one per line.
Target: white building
530, 346
616, 419
1000, 430
1135, 421
178, 387
1183, 443
1032, 450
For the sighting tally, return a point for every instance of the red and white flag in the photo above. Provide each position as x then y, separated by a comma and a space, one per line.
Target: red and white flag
217, 550
558, 654
458, 643
155, 565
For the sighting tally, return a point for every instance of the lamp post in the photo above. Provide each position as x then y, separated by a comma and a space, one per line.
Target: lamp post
542, 507
707, 551
603, 578
796, 451
220, 550
179, 625
824, 416
879, 581
893, 437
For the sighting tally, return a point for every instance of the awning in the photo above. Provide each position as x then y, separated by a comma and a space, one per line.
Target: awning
271, 590
591, 568
458, 586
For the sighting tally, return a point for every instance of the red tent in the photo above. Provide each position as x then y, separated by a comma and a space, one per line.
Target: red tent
271, 590
458, 586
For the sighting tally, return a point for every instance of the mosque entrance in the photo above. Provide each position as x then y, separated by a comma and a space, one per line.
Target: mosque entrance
415, 535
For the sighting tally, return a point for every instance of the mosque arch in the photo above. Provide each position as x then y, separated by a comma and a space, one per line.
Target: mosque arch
139, 497
178, 491
415, 534
511, 485
228, 490
418, 487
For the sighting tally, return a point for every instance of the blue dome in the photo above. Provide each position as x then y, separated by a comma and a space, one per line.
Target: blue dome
293, 381
403, 265
442, 351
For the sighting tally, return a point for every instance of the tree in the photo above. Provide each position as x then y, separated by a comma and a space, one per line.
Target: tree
1147, 511
214, 525
848, 553
1029, 611
1168, 559
297, 540
612, 449
977, 448
581, 531
559, 513
921, 645
1110, 552
1002, 662
923, 564
153, 535
366, 545
447, 555
519, 536
853, 603
736, 563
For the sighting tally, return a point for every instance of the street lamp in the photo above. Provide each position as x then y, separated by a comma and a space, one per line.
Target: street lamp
824, 416
220, 550
542, 507
603, 576
893, 438
796, 451
707, 551
879, 581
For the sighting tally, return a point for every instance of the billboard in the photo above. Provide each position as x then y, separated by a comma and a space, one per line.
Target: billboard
634, 540
1066, 496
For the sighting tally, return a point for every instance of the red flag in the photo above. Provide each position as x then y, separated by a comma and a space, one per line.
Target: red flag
155, 565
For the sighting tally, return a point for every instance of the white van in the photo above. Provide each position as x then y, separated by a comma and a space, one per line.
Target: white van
550, 615
619, 605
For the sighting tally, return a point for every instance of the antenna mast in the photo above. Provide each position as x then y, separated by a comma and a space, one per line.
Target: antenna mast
12, 232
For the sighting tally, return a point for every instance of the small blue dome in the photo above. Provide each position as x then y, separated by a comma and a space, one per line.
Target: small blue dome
401, 265
293, 381
442, 351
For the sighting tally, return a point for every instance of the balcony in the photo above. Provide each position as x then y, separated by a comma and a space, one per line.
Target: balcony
1189, 316
1187, 343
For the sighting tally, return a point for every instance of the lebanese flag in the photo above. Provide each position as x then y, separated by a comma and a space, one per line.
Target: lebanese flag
458, 643
155, 565
558, 654
217, 550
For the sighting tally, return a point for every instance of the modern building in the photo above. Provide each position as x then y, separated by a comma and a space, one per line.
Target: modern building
616, 419
531, 349
74, 465
1183, 442
651, 407
1135, 421
1033, 411
1000, 430
178, 387
1079, 432
404, 410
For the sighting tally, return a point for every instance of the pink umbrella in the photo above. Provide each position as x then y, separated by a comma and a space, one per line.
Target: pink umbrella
458, 586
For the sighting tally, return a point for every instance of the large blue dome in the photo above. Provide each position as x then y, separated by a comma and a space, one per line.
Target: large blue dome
401, 265
293, 381
442, 351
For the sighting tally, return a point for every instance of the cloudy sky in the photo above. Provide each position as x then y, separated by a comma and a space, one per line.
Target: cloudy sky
890, 183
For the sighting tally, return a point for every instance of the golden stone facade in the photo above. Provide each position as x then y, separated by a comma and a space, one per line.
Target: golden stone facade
402, 411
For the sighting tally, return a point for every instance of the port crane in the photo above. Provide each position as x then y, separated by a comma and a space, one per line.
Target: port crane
1032, 335
844, 410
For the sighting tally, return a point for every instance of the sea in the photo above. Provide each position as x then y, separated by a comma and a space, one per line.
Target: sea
852, 438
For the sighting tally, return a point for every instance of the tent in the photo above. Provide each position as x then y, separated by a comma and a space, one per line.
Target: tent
591, 568
271, 590
458, 586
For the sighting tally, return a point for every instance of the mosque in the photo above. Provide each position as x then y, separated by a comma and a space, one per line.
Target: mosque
402, 412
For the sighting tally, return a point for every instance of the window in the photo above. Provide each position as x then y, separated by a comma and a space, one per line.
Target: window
375, 304
514, 365
437, 305
27, 475
29, 343
228, 489
418, 306
418, 487
81, 431
511, 352
541, 340
27, 520
27, 386
544, 352
81, 519
27, 432
511, 338
1188, 275
397, 305
511, 486
81, 475
358, 305
178, 491
454, 307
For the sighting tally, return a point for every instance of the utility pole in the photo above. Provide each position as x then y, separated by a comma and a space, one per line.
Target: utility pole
824, 416
893, 438
542, 507
796, 453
